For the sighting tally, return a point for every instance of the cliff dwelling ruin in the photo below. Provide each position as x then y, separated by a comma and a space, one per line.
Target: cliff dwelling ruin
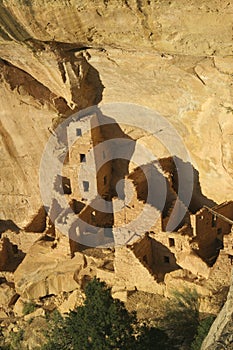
137, 258
97, 231
112, 210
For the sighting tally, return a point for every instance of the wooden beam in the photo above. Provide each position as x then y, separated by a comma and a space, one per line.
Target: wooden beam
219, 215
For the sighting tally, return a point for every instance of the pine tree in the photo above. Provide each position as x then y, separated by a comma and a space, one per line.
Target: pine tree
103, 322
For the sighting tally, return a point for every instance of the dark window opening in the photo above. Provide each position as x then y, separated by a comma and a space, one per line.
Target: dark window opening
105, 180
171, 242
76, 206
219, 231
214, 221
66, 185
230, 257
145, 259
82, 158
15, 249
78, 132
166, 259
85, 186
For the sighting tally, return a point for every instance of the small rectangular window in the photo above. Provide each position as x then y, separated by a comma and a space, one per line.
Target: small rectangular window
105, 180
85, 186
219, 231
66, 185
171, 242
166, 259
78, 132
82, 158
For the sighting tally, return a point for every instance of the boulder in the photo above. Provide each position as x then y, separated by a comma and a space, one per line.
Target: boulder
18, 307
46, 271
74, 299
36, 313
7, 295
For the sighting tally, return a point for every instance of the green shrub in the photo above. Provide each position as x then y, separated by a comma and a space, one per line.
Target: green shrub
101, 323
181, 318
15, 339
29, 307
202, 331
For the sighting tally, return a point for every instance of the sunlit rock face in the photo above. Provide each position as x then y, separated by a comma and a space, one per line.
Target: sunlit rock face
62, 56
58, 57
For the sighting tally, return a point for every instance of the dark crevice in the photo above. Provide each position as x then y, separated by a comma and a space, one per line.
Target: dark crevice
6, 225
17, 78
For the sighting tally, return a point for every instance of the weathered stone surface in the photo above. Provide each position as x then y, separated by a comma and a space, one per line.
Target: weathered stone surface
37, 313
7, 295
74, 299
178, 280
132, 274
185, 27
18, 307
193, 263
119, 293
23, 240
46, 271
3, 314
22, 143
192, 93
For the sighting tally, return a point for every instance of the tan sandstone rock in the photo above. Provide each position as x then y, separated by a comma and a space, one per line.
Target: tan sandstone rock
74, 299
18, 307
37, 313
7, 295
46, 271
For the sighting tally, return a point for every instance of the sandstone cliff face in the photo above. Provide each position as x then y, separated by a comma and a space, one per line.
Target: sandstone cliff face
174, 57
190, 27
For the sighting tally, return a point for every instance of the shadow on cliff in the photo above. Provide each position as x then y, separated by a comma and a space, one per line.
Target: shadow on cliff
176, 171
173, 165
164, 261
94, 86
6, 225
15, 260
